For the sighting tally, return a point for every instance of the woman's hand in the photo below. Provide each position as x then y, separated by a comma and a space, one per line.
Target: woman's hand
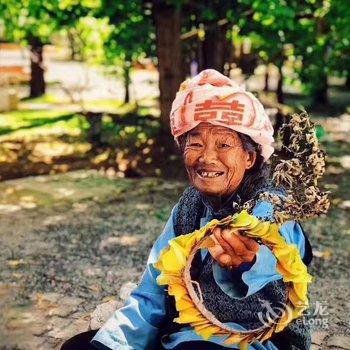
231, 251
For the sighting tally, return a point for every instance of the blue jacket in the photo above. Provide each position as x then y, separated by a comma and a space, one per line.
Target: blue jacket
138, 323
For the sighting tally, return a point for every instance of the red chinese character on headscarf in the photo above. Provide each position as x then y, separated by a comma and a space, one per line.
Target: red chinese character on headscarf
228, 112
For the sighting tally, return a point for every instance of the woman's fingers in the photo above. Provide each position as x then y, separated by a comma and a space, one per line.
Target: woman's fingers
250, 243
234, 241
225, 245
217, 250
227, 260
248, 257
241, 245
232, 250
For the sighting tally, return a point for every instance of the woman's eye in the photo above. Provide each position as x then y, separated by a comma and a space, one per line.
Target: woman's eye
224, 145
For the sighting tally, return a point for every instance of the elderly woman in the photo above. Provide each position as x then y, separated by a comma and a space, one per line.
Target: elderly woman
226, 138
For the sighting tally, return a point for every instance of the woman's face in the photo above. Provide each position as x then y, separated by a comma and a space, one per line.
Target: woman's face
215, 159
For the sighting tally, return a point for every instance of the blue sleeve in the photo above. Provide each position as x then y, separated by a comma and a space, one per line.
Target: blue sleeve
136, 325
250, 278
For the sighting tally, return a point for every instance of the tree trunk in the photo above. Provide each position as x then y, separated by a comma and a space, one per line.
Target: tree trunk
200, 55
279, 91
280, 119
267, 77
95, 131
215, 47
127, 82
74, 51
347, 80
37, 82
168, 29
321, 92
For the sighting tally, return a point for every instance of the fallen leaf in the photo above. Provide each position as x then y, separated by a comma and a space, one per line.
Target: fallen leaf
326, 254
333, 170
15, 263
345, 161
345, 205
95, 288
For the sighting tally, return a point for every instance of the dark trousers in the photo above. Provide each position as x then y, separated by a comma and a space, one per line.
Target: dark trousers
82, 342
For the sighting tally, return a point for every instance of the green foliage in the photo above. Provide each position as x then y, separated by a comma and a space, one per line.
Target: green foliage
93, 33
132, 35
313, 34
69, 4
322, 46
39, 18
320, 132
25, 124
100, 32
27, 18
337, 37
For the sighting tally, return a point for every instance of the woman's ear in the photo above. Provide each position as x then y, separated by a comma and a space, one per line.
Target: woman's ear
251, 159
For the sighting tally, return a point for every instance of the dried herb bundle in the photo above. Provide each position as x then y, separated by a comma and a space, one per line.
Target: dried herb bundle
297, 166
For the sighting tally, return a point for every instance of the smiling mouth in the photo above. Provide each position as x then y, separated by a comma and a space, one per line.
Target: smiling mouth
208, 174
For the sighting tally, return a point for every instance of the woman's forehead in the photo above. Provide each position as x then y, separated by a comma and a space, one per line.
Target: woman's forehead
212, 129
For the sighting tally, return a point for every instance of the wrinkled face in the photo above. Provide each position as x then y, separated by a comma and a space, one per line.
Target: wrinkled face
215, 159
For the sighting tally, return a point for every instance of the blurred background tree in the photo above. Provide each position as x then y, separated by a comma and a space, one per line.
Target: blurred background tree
323, 48
33, 23
132, 37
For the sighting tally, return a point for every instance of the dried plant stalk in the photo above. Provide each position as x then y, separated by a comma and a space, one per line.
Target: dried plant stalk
297, 168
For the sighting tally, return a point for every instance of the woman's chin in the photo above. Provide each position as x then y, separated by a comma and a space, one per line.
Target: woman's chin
209, 188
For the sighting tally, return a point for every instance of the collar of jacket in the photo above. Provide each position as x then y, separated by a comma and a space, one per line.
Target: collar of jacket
230, 205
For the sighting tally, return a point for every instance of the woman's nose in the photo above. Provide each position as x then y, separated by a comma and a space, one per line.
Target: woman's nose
208, 155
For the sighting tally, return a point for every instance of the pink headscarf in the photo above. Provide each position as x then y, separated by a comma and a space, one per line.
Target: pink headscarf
212, 97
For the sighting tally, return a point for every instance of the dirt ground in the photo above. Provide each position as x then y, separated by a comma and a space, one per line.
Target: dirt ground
79, 235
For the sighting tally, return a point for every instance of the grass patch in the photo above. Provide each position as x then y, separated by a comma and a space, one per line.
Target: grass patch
105, 104
45, 99
22, 124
